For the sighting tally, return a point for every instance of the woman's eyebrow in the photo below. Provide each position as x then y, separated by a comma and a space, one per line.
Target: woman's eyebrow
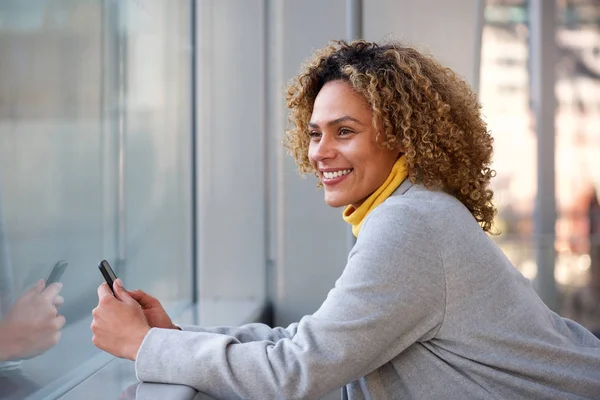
336, 121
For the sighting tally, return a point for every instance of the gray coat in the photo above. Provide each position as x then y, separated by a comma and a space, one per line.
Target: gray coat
428, 307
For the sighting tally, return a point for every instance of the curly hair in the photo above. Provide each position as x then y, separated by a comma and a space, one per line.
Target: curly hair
425, 109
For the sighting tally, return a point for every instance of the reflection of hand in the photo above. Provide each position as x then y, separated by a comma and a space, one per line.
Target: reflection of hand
119, 324
32, 325
130, 393
155, 314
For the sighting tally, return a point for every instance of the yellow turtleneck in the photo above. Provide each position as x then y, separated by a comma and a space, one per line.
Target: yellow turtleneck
355, 217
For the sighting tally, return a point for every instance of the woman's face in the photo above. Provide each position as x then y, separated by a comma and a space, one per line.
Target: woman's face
343, 149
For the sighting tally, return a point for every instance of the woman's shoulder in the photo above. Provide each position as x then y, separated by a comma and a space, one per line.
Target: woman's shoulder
423, 209
419, 200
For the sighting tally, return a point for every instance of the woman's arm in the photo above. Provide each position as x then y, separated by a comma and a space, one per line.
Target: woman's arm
248, 333
391, 295
157, 317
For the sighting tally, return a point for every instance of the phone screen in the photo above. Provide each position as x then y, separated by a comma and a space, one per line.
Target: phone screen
108, 273
57, 272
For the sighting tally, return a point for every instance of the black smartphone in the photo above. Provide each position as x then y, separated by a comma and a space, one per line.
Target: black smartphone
57, 272
108, 274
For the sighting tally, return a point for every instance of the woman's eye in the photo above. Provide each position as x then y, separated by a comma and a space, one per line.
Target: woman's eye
314, 135
345, 132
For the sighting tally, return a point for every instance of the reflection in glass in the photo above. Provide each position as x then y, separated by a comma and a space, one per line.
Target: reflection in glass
95, 161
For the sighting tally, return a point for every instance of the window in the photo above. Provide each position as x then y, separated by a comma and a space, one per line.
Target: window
507, 109
95, 158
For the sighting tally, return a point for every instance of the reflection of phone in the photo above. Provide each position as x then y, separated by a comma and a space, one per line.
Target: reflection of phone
108, 274
57, 272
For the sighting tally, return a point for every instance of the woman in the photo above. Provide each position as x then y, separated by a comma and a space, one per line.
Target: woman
427, 306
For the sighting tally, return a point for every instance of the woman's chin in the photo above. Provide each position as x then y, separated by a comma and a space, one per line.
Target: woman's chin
335, 201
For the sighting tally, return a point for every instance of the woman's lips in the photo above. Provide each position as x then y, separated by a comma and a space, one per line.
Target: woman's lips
336, 180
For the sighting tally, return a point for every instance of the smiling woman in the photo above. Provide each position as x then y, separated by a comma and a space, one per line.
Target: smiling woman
406, 102
427, 305
343, 147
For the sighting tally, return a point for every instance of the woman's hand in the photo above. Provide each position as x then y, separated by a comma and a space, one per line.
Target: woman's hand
32, 325
119, 324
155, 314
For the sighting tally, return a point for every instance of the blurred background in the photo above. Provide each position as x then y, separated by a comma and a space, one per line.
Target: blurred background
148, 133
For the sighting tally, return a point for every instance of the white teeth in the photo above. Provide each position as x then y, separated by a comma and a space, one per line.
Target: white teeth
331, 175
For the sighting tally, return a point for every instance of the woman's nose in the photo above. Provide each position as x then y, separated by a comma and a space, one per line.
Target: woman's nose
324, 149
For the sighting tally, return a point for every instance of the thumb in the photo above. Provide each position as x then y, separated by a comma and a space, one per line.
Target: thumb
141, 297
121, 293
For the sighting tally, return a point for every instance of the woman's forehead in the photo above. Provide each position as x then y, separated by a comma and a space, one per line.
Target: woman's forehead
338, 100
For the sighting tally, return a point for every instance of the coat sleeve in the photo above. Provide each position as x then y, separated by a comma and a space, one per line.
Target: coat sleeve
390, 295
248, 333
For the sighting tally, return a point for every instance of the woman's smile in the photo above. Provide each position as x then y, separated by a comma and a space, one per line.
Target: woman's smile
331, 176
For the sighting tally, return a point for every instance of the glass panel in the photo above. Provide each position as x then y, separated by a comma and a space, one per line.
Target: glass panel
158, 149
94, 163
51, 159
578, 161
505, 96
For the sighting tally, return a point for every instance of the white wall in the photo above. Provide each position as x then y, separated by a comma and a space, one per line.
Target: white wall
230, 150
309, 245
450, 30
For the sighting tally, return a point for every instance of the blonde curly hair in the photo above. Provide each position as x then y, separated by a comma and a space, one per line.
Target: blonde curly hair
419, 106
